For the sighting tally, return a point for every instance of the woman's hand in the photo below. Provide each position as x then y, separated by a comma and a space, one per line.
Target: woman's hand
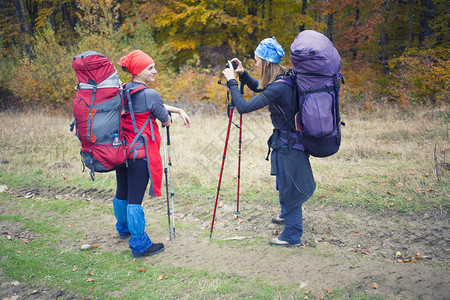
240, 68
185, 118
168, 122
229, 73
183, 115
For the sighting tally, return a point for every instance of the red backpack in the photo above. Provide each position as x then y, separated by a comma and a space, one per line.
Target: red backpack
97, 108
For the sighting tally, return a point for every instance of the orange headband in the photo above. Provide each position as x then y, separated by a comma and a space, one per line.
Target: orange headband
135, 62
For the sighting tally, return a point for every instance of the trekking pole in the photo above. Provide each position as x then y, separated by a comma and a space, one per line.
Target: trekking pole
170, 179
230, 117
230, 109
239, 164
167, 182
241, 89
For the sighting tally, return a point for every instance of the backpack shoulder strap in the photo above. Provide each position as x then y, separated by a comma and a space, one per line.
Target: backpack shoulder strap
290, 80
128, 93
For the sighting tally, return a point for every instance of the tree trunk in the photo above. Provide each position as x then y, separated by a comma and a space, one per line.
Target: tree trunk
21, 16
303, 12
330, 26
428, 13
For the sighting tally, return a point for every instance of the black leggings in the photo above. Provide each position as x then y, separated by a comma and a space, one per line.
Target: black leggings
132, 181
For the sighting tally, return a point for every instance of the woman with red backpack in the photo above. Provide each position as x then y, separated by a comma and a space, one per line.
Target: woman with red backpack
142, 107
289, 162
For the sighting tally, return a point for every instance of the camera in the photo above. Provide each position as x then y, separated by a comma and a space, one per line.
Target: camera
235, 65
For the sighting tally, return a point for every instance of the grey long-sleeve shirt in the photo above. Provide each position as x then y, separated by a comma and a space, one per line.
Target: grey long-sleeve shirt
147, 100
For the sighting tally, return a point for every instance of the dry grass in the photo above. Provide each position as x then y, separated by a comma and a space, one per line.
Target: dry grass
387, 157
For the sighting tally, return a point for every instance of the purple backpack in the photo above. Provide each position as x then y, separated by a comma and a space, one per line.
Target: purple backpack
317, 68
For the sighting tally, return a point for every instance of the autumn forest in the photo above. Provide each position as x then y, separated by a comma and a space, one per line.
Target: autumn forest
394, 51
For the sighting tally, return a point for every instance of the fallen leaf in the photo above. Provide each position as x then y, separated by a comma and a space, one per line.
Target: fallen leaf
357, 232
322, 206
325, 243
384, 244
39, 272
374, 285
430, 190
406, 260
389, 193
357, 191
68, 225
328, 290
410, 198
240, 221
26, 241
91, 289
142, 270
95, 246
322, 196
418, 255
90, 274
90, 280
306, 298
74, 269
389, 152
160, 277
366, 252
398, 254
34, 291
307, 292
20, 251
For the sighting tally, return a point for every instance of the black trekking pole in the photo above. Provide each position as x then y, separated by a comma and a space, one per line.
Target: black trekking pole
239, 164
241, 89
170, 179
167, 181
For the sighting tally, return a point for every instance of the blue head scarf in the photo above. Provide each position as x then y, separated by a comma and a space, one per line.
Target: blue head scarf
270, 50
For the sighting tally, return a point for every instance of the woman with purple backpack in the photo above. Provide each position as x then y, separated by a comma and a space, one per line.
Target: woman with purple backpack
289, 162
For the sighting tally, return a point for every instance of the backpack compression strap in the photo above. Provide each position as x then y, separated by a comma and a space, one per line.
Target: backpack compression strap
110, 82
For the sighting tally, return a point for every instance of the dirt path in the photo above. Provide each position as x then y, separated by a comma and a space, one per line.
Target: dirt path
345, 249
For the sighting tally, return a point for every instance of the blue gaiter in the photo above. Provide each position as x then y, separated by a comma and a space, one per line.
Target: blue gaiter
139, 241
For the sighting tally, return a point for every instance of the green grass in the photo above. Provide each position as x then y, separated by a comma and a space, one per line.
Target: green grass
48, 263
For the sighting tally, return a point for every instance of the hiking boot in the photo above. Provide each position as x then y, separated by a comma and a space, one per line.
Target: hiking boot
124, 236
277, 219
277, 242
152, 250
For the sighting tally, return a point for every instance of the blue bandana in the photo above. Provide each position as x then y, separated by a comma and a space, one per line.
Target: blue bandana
270, 50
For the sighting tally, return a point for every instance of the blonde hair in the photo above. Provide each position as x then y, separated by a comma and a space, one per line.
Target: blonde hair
269, 72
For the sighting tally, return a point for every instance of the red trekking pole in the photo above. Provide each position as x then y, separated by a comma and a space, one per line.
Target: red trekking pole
230, 109
224, 156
